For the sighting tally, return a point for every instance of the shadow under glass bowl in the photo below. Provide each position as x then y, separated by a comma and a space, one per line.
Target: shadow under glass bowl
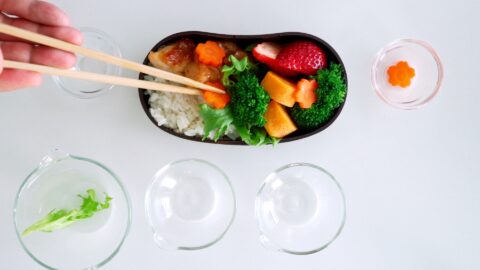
244, 41
56, 184
190, 205
300, 209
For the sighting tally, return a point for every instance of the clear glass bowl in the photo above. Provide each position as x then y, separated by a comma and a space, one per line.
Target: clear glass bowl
99, 41
55, 184
190, 205
300, 209
428, 73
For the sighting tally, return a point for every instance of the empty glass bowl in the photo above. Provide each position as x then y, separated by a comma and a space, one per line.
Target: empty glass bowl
424, 85
190, 205
300, 209
55, 184
99, 41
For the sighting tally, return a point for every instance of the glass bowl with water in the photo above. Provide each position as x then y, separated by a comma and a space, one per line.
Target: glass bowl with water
190, 205
55, 184
300, 209
424, 85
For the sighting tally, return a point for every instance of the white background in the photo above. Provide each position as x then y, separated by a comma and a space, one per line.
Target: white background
411, 178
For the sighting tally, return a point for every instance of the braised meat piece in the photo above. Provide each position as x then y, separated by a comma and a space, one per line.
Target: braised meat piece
174, 57
201, 72
232, 49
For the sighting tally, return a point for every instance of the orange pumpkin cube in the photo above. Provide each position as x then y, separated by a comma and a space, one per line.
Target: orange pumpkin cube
279, 89
279, 124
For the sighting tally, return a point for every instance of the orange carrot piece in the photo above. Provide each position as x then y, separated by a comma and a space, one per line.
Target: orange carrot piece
216, 100
400, 74
210, 53
305, 93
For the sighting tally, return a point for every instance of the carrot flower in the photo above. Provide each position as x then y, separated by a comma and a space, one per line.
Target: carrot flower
400, 74
210, 53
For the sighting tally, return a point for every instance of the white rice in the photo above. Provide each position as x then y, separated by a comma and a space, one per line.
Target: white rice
179, 112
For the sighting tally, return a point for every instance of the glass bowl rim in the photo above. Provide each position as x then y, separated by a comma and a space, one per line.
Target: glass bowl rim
155, 179
434, 55
42, 165
339, 188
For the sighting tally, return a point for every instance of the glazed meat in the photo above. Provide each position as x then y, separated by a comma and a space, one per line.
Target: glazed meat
201, 72
232, 48
174, 57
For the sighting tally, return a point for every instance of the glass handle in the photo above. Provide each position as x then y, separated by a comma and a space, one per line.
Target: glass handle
267, 243
53, 156
161, 242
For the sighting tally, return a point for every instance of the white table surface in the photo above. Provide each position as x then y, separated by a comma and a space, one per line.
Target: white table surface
411, 178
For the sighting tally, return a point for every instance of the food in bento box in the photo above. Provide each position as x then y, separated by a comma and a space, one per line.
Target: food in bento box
273, 89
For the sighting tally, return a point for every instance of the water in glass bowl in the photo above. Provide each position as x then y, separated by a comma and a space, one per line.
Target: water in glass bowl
55, 185
424, 85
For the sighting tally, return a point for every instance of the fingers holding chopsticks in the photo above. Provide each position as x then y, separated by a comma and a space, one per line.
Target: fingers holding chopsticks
36, 11
65, 33
36, 16
41, 55
11, 79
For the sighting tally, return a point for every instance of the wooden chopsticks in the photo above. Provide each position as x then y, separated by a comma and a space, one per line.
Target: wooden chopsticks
102, 78
65, 46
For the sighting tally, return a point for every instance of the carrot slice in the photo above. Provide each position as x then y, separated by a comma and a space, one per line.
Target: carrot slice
305, 93
210, 53
400, 74
216, 100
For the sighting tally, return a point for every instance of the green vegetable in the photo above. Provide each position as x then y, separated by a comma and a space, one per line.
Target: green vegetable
216, 120
237, 68
256, 136
59, 219
248, 101
248, 104
219, 120
331, 93
250, 47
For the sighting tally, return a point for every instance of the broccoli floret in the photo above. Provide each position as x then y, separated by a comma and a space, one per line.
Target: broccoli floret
238, 67
331, 93
248, 101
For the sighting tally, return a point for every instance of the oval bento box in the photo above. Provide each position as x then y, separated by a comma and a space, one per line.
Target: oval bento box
245, 40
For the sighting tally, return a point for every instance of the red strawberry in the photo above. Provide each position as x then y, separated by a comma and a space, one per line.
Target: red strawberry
266, 52
284, 71
300, 57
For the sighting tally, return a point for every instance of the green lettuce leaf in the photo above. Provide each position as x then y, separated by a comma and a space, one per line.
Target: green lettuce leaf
250, 47
256, 136
237, 67
217, 120
59, 219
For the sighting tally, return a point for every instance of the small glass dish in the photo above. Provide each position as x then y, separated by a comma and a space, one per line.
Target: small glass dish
55, 184
300, 209
424, 85
99, 41
190, 205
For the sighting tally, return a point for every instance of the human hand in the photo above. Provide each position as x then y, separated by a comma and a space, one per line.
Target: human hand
40, 17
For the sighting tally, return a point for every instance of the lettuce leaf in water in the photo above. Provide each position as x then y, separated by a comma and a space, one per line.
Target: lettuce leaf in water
59, 219
216, 120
